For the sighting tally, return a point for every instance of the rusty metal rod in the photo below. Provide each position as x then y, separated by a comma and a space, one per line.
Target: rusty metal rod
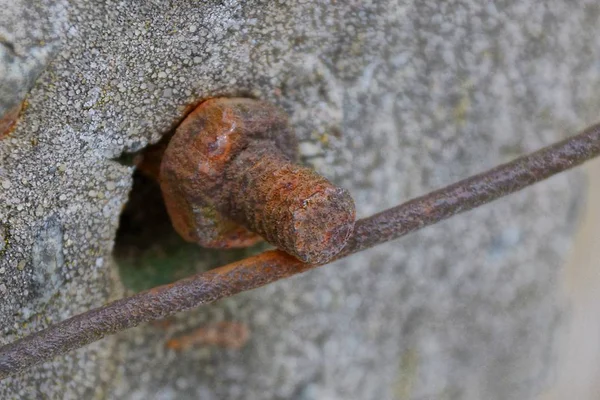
475, 191
271, 266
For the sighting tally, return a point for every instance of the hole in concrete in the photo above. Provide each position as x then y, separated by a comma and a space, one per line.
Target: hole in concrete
148, 251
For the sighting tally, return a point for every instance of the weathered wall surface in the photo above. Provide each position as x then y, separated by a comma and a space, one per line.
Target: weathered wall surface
390, 98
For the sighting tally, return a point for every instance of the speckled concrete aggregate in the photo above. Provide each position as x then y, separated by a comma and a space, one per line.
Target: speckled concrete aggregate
390, 99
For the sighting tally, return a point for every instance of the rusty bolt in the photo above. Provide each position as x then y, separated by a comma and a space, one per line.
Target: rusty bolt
228, 178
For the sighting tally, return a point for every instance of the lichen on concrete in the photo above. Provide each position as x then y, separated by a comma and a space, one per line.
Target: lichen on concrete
390, 99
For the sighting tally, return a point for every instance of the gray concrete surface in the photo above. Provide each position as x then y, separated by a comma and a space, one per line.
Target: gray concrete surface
391, 99
29, 37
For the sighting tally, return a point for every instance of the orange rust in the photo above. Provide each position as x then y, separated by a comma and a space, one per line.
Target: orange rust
228, 179
227, 334
9, 120
163, 323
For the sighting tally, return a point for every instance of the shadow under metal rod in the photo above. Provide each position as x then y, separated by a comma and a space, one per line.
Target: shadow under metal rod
270, 266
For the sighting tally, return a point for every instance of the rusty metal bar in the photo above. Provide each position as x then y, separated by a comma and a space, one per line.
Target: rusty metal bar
475, 191
271, 266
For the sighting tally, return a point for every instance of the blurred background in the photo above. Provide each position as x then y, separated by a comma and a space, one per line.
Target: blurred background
577, 375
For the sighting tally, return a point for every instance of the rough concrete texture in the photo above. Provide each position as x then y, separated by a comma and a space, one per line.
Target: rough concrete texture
29, 36
391, 99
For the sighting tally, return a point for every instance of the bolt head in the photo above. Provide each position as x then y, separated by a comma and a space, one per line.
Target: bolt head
193, 170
